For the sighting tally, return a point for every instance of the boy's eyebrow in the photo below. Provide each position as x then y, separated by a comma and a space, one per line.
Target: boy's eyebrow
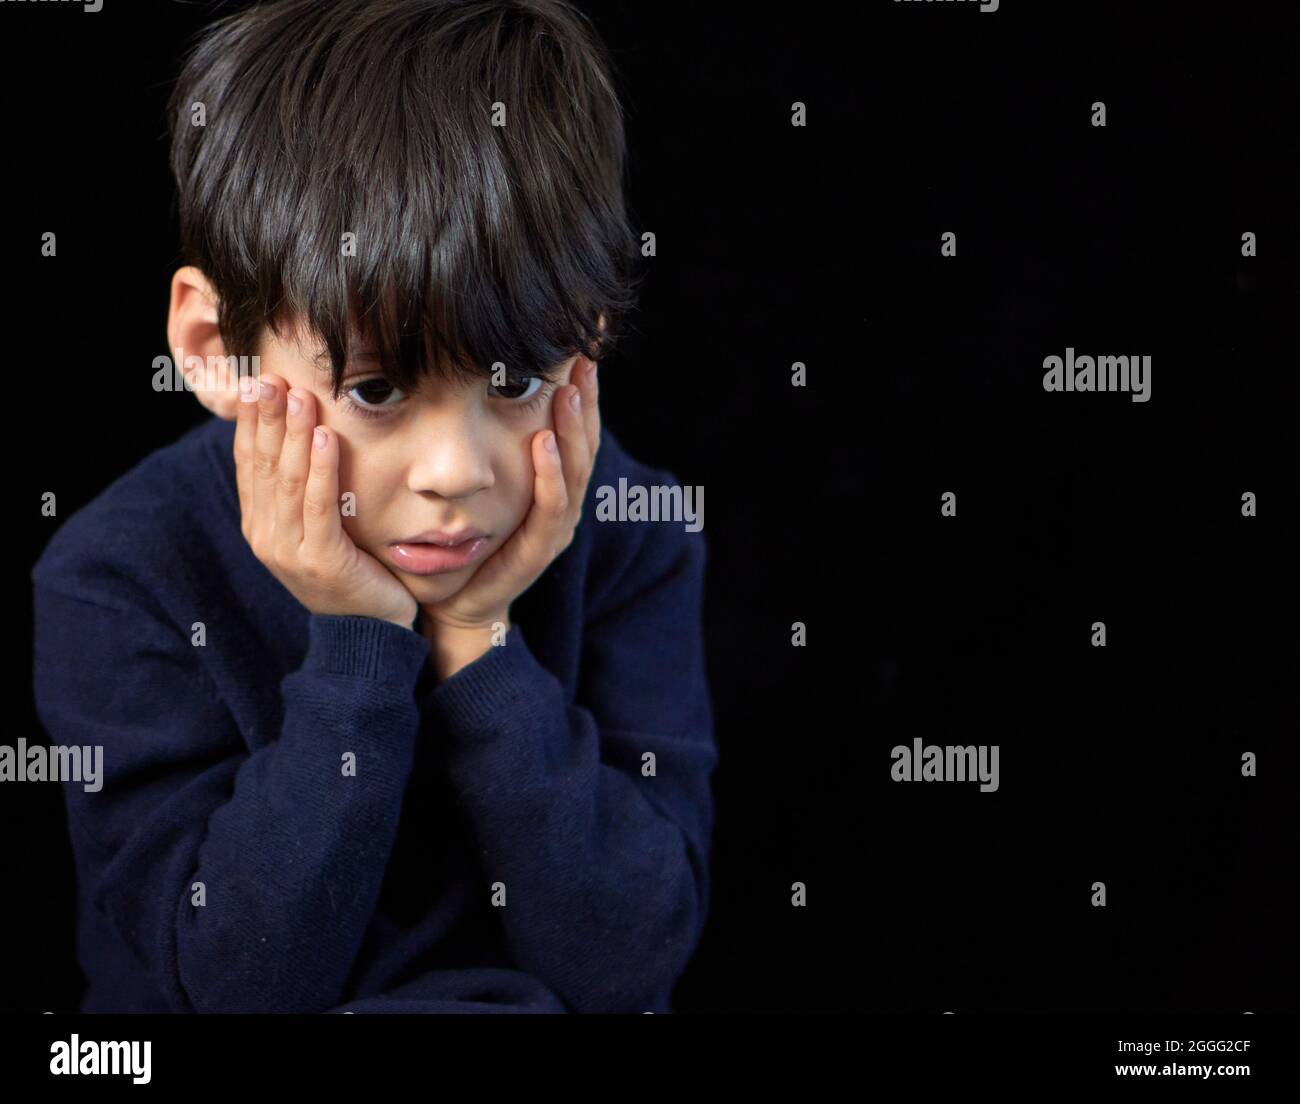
365, 356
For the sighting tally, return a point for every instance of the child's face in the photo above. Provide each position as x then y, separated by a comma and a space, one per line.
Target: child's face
447, 457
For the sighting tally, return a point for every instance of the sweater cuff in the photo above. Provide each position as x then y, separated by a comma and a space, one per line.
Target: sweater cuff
495, 683
364, 646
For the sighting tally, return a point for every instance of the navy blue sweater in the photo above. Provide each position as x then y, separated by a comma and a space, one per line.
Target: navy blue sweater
531, 835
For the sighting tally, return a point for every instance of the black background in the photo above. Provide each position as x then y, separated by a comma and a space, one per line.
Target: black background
821, 244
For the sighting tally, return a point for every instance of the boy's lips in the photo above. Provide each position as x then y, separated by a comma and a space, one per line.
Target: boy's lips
438, 536
433, 552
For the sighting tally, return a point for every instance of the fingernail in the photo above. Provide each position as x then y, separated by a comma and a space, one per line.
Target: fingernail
295, 403
247, 389
575, 400
550, 442
318, 438
267, 391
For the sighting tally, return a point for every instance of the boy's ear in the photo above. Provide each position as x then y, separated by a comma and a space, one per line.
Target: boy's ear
192, 332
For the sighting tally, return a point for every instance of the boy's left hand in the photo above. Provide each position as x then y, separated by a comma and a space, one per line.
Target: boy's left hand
559, 489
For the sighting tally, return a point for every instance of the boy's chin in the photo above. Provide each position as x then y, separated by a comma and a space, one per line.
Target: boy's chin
431, 589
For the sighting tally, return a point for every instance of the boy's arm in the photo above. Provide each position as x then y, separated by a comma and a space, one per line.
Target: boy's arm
603, 857
243, 882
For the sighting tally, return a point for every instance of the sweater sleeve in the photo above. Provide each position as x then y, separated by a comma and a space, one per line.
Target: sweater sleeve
243, 880
595, 816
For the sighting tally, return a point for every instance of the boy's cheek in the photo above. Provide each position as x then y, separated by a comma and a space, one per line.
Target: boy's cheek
358, 532
521, 483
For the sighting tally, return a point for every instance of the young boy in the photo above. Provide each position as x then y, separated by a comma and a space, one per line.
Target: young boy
390, 720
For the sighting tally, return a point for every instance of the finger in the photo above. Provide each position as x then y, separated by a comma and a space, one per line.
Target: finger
295, 463
575, 448
548, 517
532, 546
322, 525
245, 429
583, 377
591, 408
266, 450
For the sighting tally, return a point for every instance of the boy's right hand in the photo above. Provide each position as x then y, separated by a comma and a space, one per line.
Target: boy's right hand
287, 471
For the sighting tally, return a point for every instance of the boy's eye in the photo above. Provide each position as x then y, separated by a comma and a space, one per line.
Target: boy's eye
374, 397
512, 392
373, 394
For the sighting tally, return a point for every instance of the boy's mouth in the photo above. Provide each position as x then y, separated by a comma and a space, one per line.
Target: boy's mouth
433, 552
443, 539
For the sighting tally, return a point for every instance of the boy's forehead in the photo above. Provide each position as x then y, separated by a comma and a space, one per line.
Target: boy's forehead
310, 346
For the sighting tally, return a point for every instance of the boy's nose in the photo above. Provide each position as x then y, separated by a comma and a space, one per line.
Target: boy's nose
449, 456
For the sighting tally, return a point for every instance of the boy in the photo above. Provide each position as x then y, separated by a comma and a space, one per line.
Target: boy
390, 721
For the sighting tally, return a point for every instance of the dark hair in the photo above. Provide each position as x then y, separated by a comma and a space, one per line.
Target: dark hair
474, 243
